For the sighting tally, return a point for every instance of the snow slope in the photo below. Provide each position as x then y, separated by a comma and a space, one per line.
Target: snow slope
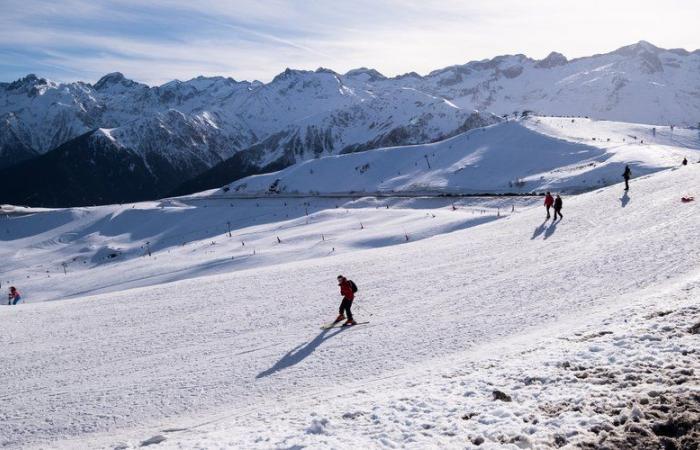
530, 155
105, 249
626, 379
116, 369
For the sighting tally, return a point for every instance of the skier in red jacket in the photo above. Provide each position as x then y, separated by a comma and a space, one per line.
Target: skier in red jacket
548, 202
347, 290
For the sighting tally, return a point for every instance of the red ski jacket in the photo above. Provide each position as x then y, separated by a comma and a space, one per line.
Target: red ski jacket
548, 200
346, 290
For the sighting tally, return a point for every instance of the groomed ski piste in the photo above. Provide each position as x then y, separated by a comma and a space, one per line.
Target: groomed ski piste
489, 327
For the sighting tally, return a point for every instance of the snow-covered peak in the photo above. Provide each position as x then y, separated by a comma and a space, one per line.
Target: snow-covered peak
30, 85
115, 79
29, 80
290, 74
366, 74
213, 80
638, 48
638, 83
325, 70
552, 60
408, 75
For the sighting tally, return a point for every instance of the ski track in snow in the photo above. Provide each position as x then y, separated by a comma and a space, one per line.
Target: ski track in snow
609, 383
113, 369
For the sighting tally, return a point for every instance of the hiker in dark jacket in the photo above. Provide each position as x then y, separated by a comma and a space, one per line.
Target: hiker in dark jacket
627, 174
557, 208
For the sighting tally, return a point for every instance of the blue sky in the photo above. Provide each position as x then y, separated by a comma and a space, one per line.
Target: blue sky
160, 40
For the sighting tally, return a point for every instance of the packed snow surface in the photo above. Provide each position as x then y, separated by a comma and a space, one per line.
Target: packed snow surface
238, 360
67, 253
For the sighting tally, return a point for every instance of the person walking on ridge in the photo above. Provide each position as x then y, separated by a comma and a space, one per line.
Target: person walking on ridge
548, 202
557, 208
627, 174
347, 290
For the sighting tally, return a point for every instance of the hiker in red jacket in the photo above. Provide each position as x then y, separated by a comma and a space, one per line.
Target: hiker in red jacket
347, 290
548, 202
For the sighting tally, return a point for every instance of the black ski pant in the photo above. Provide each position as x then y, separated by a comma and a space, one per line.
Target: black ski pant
548, 207
627, 184
557, 211
345, 306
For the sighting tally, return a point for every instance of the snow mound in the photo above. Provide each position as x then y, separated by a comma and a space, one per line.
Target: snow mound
533, 155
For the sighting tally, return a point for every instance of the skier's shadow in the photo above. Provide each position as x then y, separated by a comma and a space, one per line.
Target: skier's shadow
539, 230
550, 230
301, 352
625, 199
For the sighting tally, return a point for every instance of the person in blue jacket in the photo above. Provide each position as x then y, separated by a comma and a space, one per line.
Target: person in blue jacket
13, 297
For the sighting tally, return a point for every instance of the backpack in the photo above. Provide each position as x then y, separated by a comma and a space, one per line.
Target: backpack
353, 286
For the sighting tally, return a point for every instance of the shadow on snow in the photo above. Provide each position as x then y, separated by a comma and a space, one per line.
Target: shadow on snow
301, 352
550, 230
539, 230
625, 199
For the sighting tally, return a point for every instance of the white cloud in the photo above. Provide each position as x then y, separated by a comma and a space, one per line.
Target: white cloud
250, 39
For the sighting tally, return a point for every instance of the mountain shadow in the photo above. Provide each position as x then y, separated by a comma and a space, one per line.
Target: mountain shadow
91, 170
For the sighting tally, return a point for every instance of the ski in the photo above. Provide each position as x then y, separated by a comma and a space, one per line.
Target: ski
340, 325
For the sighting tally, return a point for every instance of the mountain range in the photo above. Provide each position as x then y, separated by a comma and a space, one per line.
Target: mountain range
118, 140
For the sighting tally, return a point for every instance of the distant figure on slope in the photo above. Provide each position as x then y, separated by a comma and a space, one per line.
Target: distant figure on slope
548, 202
13, 297
347, 290
557, 208
685, 161
627, 174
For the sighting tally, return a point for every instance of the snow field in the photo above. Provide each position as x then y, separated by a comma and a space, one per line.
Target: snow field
613, 134
530, 155
106, 248
629, 376
118, 368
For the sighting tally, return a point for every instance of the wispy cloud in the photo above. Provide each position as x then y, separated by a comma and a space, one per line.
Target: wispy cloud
160, 40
